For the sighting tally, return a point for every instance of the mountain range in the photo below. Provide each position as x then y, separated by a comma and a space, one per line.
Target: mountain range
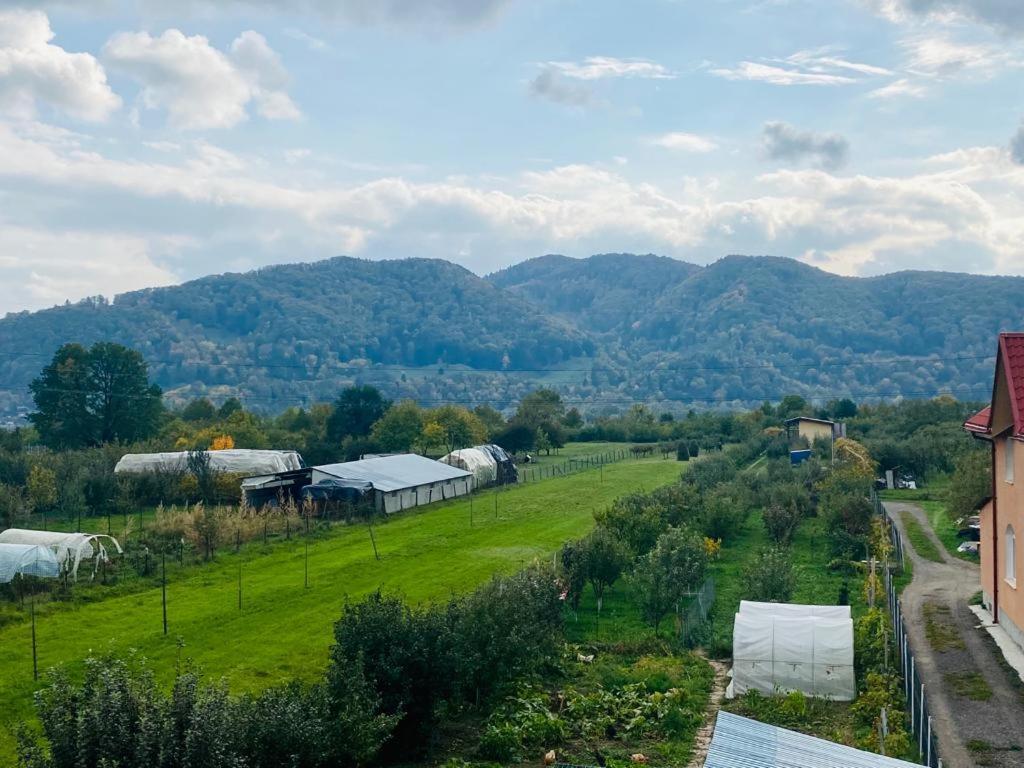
608, 331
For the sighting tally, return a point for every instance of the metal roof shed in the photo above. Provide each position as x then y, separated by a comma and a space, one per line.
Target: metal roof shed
402, 481
740, 742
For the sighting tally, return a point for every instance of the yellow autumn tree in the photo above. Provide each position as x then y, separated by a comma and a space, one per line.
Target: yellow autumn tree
222, 443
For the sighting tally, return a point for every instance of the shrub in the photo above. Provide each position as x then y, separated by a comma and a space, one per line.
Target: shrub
780, 522
770, 576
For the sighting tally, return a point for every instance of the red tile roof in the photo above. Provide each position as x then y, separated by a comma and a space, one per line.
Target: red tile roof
1011, 347
980, 422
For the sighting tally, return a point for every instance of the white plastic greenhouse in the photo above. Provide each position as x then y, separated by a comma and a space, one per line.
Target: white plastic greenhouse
69, 549
780, 647
28, 560
241, 461
481, 464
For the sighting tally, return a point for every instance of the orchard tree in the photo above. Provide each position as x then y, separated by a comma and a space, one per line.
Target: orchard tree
770, 576
670, 571
200, 409
461, 427
606, 557
88, 397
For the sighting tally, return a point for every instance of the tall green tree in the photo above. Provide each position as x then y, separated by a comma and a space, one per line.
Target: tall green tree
355, 411
400, 428
95, 396
606, 557
540, 407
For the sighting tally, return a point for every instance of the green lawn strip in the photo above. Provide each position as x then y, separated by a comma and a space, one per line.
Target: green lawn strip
945, 528
919, 538
939, 629
970, 685
284, 630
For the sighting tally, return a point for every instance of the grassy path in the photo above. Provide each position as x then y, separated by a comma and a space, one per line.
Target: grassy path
284, 629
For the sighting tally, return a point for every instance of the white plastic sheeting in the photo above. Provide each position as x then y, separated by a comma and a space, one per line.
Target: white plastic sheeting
28, 560
241, 461
70, 549
792, 649
480, 463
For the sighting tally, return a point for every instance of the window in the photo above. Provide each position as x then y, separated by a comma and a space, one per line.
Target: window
1011, 556
1008, 460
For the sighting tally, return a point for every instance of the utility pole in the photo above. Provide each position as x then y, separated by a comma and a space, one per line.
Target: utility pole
163, 587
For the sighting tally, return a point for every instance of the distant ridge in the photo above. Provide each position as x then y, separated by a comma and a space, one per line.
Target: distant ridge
608, 330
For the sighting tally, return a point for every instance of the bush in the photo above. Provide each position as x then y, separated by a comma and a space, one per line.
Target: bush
770, 576
780, 522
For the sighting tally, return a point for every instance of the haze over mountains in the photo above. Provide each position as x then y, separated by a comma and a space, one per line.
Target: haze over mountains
608, 331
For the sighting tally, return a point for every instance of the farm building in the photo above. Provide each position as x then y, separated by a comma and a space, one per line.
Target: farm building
810, 429
739, 742
490, 465
789, 647
393, 483
236, 461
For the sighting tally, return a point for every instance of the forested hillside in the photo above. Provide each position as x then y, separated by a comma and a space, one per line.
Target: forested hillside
607, 331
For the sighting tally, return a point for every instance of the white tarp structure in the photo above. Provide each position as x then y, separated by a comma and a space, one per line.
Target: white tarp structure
480, 463
782, 648
28, 560
70, 549
241, 461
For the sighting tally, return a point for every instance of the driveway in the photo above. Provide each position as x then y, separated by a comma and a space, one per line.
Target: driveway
981, 724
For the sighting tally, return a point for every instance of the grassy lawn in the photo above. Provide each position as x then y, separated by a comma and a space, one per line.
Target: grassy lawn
284, 630
946, 529
919, 539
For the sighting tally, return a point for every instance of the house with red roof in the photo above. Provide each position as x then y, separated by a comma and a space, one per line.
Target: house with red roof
1001, 424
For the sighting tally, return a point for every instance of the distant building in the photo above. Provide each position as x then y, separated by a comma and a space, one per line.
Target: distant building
810, 429
1001, 424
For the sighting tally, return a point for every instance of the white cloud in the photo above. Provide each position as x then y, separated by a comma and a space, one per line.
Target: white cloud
552, 86
198, 85
1003, 15
684, 142
939, 56
769, 73
602, 67
824, 60
311, 42
899, 89
40, 268
34, 70
218, 209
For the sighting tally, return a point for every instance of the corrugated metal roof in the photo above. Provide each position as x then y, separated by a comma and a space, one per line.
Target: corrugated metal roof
740, 742
393, 473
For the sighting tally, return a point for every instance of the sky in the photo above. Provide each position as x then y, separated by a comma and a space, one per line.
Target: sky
152, 142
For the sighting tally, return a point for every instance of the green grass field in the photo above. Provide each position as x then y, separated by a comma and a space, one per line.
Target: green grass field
284, 629
919, 540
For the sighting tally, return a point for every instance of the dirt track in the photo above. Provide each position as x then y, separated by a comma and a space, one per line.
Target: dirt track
970, 732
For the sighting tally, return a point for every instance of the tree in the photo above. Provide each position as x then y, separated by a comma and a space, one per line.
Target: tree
781, 521
461, 428
540, 406
970, 484
95, 396
229, 408
606, 557
200, 409
400, 428
515, 438
574, 572
669, 572
355, 412
222, 443
433, 434
573, 419
541, 441
770, 576
491, 418
206, 477
41, 487
844, 408
682, 453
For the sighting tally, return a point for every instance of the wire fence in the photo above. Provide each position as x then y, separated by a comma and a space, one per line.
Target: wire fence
921, 720
695, 615
533, 474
